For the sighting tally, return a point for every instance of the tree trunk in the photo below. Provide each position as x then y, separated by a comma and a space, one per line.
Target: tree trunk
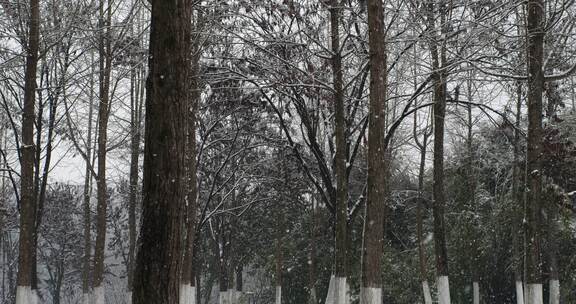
135, 135
420, 224
472, 193
312, 299
439, 80
340, 159
371, 292
554, 283
159, 258
24, 293
188, 288
223, 297
87, 194
105, 62
517, 197
533, 207
278, 276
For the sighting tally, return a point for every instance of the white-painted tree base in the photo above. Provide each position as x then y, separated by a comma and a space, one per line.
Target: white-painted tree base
519, 292
86, 297
554, 292
34, 298
224, 297
187, 294
313, 299
24, 295
443, 290
370, 295
338, 291
534, 294
476, 292
341, 291
99, 295
232, 296
278, 295
239, 297
330, 293
129, 297
426, 291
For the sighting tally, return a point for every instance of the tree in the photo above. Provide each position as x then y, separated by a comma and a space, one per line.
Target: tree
158, 263
535, 28
24, 293
439, 76
340, 160
188, 288
104, 72
376, 193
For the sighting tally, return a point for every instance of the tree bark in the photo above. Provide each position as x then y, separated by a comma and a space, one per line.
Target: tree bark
136, 95
518, 203
439, 79
554, 280
533, 206
87, 194
371, 292
278, 276
105, 62
188, 288
24, 293
340, 159
313, 299
420, 208
159, 258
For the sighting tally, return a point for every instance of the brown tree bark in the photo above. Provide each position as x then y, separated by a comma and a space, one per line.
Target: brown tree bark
533, 205
517, 196
340, 158
376, 187
105, 65
27, 203
159, 258
439, 77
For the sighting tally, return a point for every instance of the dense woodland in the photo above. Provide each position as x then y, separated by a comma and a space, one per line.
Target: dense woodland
287, 151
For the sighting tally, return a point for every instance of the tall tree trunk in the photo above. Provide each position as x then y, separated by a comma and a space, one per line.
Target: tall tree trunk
340, 159
87, 194
24, 293
472, 193
554, 284
188, 288
533, 206
105, 62
278, 276
552, 214
159, 258
517, 197
222, 251
371, 292
135, 136
312, 299
439, 80
420, 217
